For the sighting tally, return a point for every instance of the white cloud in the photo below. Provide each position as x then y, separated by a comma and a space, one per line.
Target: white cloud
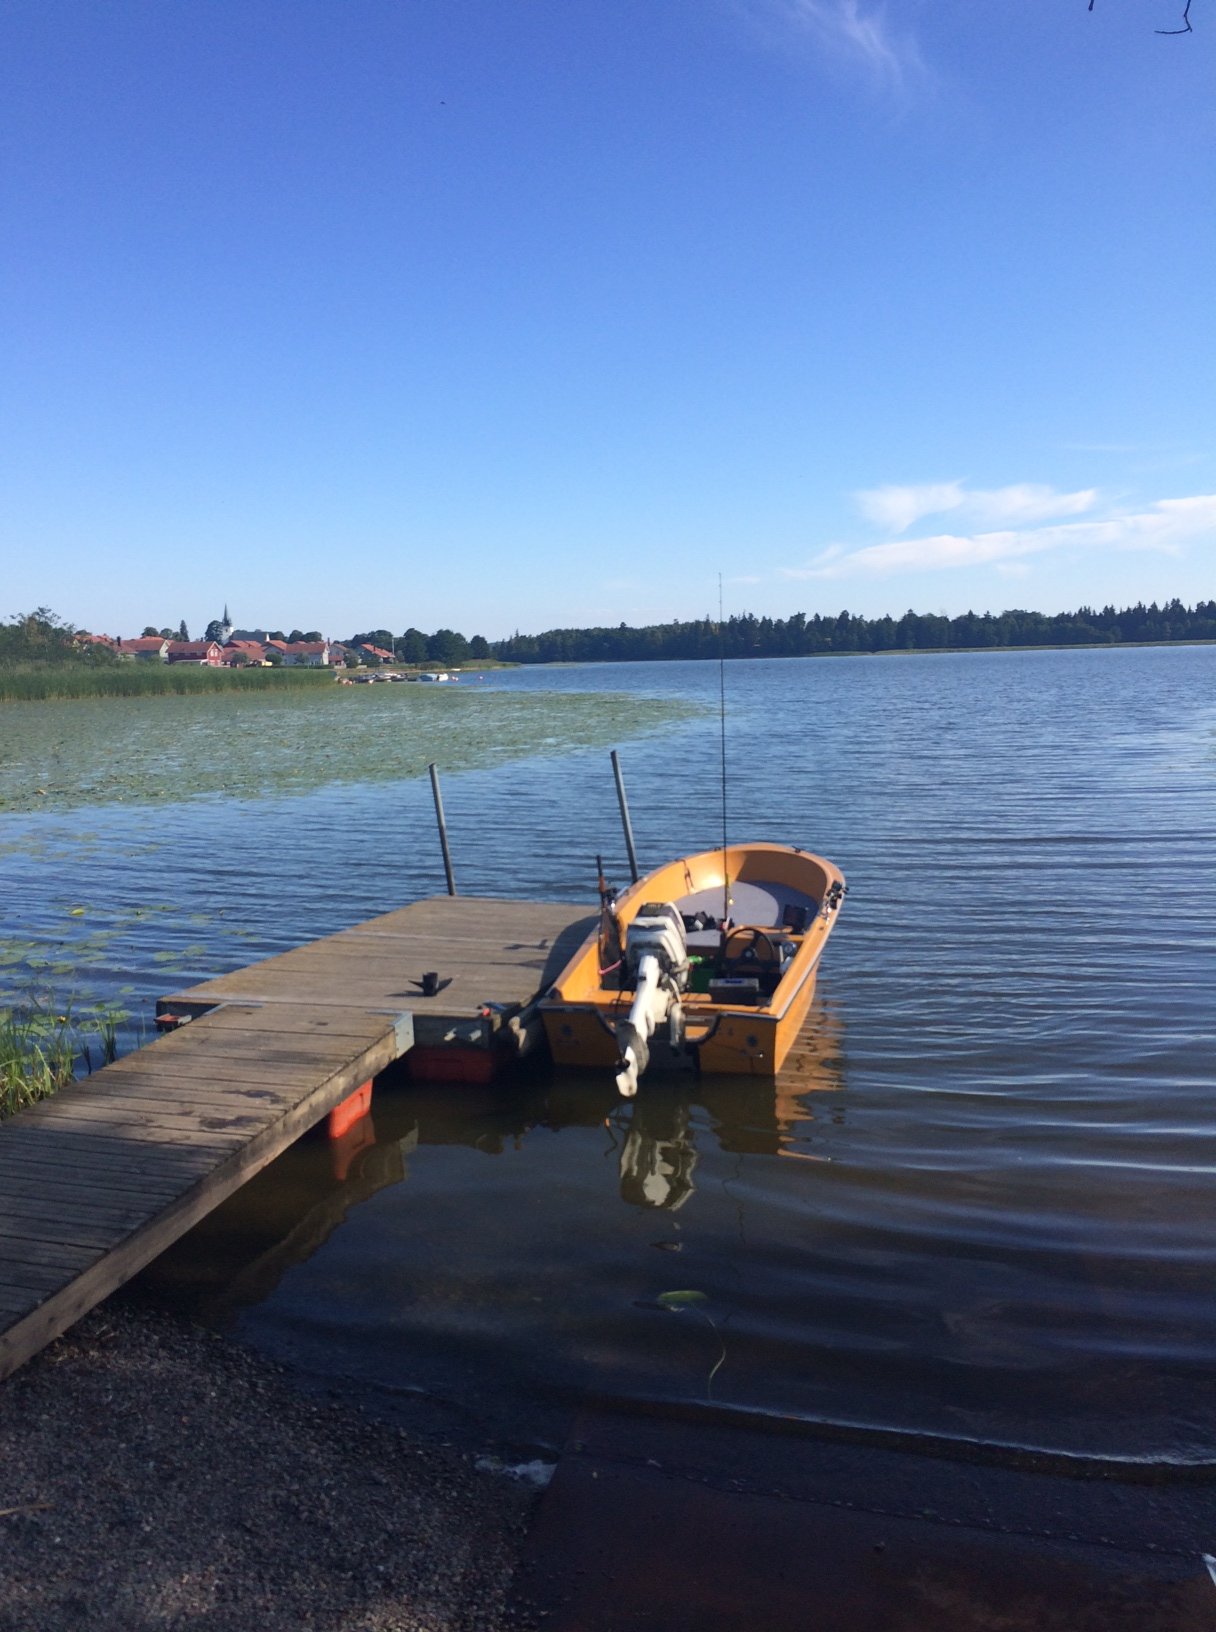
1164, 527
854, 31
1026, 502
897, 508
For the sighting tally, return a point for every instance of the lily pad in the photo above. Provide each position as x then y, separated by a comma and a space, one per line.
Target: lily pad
680, 1300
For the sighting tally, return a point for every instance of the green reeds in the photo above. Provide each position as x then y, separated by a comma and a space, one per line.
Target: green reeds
22, 683
43, 1046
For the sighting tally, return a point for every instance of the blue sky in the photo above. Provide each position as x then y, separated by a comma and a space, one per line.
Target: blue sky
498, 314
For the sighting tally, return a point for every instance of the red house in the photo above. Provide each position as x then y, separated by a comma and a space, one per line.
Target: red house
148, 648
207, 652
306, 654
238, 652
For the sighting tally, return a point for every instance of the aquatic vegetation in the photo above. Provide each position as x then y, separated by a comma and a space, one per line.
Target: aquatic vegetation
43, 1047
45, 683
62, 943
249, 745
689, 1299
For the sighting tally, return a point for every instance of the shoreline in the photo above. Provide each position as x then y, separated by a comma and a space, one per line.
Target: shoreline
156, 1474
229, 686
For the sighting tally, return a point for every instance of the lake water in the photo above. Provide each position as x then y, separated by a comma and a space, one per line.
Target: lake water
989, 1216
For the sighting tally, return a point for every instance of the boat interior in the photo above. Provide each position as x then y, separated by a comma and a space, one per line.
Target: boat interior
738, 959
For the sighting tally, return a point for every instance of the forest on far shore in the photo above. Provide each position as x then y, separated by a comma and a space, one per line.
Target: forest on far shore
803, 636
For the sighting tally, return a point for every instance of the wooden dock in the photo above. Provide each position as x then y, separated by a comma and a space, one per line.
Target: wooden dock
99, 1179
492, 959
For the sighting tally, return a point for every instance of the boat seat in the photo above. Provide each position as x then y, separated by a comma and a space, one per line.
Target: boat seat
764, 905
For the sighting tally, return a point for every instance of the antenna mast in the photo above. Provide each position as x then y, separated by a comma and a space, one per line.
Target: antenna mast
722, 725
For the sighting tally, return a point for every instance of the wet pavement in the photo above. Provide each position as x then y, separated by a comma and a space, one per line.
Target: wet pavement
662, 1527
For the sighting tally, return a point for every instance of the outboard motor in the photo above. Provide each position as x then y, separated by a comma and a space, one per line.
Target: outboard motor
656, 962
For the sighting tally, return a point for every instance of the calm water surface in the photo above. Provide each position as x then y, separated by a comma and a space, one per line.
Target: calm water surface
988, 1214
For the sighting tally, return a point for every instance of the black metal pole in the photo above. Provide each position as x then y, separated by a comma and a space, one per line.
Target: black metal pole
443, 828
620, 793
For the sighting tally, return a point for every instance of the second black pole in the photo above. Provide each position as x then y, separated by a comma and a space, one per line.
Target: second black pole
443, 828
620, 793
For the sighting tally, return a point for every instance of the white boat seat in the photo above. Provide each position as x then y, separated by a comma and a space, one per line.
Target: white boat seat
761, 904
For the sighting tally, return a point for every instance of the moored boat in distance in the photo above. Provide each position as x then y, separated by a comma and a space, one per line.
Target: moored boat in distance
709, 962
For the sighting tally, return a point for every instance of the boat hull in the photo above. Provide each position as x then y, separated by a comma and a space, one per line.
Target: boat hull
760, 884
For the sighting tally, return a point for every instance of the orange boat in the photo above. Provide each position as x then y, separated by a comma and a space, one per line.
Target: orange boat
709, 962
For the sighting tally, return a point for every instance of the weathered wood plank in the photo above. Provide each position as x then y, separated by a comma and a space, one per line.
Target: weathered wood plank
40, 1252
250, 1049
161, 1152
62, 1188
234, 1072
148, 1088
186, 1129
69, 1232
35, 1277
260, 1018
113, 1210
138, 1130
123, 1100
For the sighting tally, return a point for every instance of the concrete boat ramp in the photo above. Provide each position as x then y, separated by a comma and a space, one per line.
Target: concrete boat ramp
98, 1180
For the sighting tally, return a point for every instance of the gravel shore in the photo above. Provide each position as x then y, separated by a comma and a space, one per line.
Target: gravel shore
153, 1475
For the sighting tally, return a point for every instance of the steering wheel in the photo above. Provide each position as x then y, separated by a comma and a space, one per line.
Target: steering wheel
751, 945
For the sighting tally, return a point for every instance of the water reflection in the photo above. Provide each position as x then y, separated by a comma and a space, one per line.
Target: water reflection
237, 1256
658, 1155
748, 1115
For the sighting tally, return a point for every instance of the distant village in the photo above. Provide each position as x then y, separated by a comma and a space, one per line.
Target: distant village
223, 646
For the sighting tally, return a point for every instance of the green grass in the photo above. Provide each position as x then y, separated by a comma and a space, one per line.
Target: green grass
32, 682
43, 1047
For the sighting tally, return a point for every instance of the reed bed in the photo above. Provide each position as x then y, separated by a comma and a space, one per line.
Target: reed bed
23, 683
43, 1047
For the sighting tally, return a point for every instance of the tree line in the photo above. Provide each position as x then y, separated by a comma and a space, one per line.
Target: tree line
446, 647
803, 636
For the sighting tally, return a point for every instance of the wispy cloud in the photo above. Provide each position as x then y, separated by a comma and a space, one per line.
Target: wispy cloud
896, 508
1165, 527
851, 30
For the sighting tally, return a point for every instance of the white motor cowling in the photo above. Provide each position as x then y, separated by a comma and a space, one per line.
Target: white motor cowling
656, 961
658, 929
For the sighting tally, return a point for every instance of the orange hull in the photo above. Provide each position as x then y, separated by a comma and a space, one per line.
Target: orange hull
581, 1011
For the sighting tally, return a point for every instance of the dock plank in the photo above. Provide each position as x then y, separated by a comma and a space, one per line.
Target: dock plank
50, 1253
26, 1277
54, 1182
